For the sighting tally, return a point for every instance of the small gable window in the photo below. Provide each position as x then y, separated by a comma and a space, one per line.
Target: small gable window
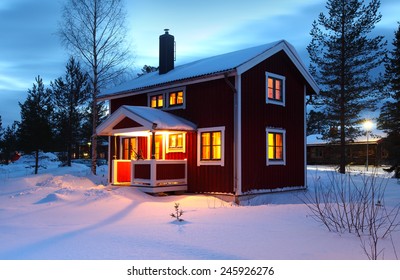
275, 89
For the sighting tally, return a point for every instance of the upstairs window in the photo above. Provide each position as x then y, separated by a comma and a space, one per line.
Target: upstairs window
168, 100
275, 89
276, 146
157, 101
176, 98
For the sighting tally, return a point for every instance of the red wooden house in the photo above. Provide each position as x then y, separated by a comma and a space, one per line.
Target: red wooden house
231, 124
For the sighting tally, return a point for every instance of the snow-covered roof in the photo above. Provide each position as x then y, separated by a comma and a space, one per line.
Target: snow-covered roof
149, 119
238, 61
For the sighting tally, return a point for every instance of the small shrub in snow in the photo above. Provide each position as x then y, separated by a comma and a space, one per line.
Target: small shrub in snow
177, 214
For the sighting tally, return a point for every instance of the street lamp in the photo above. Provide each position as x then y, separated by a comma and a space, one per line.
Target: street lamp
368, 127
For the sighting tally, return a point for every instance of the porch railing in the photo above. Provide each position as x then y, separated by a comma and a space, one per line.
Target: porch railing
150, 173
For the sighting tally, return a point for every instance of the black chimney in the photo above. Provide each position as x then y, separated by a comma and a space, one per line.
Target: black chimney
167, 49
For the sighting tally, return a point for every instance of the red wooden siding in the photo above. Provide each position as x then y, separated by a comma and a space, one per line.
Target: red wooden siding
170, 171
142, 171
134, 100
210, 104
257, 116
125, 123
175, 155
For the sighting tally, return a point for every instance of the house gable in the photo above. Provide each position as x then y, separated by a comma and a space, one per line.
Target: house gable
126, 123
142, 119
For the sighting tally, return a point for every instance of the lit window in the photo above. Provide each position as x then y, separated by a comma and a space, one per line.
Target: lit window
175, 98
276, 146
172, 98
211, 146
176, 143
157, 101
275, 89
167, 100
129, 147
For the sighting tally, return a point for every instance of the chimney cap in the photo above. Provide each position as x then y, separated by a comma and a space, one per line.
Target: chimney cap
166, 30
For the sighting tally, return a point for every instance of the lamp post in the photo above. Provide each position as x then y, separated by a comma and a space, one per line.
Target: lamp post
367, 126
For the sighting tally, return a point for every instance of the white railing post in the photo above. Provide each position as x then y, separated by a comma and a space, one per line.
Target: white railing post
153, 172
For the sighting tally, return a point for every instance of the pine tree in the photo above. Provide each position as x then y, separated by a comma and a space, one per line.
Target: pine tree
35, 130
342, 58
10, 141
70, 96
147, 69
389, 118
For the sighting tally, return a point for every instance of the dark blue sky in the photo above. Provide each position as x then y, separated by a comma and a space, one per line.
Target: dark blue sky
29, 46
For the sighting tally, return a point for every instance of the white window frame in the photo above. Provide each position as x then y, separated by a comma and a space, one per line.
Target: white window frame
283, 160
220, 162
274, 101
179, 149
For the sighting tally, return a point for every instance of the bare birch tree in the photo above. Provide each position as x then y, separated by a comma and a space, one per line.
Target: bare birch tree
95, 31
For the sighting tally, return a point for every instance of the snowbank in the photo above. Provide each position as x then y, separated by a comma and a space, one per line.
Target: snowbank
66, 213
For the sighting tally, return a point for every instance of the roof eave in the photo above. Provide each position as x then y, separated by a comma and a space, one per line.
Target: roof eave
175, 83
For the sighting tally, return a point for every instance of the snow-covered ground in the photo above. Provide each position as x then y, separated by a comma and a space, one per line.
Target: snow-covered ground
66, 213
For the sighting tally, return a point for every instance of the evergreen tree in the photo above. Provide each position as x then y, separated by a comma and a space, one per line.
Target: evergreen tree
389, 118
9, 141
1, 128
342, 58
35, 130
70, 95
147, 69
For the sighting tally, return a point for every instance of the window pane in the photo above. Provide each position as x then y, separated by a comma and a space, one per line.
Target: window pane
180, 98
126, 149
278, 91
278, 139
154, 101
216, 152
271, 154
279, 153
205, 152
160, 101
205, 138
270, 88
216, 138
172, 98
271, 140
180, 140
172, 141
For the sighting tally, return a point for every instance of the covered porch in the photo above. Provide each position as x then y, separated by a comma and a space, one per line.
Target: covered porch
147, 149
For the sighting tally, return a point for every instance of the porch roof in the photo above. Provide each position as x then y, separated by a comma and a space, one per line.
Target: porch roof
148, 119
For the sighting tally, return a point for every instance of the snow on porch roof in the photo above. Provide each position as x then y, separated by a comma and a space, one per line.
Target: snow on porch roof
148, 118
239, 61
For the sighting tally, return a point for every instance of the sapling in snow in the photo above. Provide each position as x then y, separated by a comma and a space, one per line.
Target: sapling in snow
178, 213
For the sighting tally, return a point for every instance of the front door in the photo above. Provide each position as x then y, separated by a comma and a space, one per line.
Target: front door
159, 147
